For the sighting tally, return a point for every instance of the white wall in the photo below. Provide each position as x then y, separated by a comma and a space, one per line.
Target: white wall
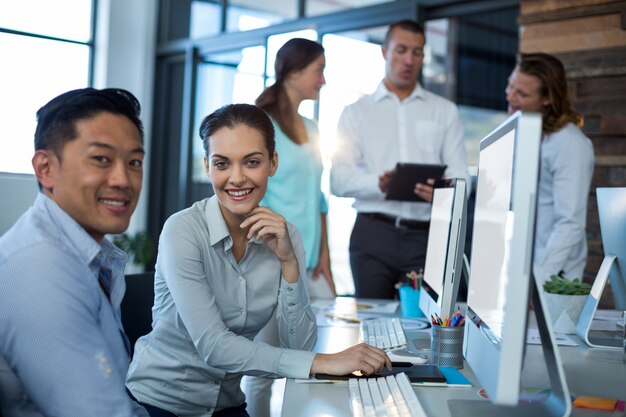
125, 47
17, 194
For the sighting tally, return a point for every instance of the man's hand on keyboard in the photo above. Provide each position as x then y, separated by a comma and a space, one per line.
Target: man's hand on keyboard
362, 357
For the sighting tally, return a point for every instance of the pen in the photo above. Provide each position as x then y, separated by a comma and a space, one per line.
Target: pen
348, 319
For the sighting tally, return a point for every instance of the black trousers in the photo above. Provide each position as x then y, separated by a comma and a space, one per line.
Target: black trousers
239, 411
381, 254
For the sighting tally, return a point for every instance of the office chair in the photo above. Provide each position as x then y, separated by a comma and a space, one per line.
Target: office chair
137, 306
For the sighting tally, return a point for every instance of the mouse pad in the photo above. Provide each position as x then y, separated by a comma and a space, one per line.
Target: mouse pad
416, 373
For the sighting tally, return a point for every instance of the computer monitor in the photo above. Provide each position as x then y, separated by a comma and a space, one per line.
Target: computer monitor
501, 285
612, 214
444, 254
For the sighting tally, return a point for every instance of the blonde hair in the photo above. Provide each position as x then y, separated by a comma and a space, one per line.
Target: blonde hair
550, 71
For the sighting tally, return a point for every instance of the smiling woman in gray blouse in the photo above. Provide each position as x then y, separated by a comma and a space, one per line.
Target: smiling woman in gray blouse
224, 266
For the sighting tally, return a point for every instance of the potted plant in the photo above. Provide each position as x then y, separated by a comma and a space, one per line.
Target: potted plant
139, 247
565, 300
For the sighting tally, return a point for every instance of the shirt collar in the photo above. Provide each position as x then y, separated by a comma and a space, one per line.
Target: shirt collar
75, 234
218, 230
96, 255
382, 92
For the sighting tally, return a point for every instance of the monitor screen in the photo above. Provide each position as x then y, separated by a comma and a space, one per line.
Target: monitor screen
438, 234
492, 227
444, 253
501, 259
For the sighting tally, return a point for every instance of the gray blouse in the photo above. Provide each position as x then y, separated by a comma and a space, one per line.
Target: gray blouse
207, 310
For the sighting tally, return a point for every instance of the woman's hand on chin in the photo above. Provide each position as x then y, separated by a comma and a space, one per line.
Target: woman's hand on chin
270, 227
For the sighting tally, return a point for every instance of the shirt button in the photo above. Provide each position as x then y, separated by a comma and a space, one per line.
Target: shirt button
291, 304
242, 311
291, 331
289, 289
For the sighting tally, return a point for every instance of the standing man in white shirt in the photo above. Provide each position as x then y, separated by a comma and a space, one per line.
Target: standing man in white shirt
399, 122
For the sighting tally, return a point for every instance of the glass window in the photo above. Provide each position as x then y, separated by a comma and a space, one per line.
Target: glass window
68, 19
486, 47
478, 123
319, 7
205, 19
234, 77
437, 60
29, 80
354, 67
245, 15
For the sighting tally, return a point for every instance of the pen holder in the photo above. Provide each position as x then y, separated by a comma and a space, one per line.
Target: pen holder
410, 301
446, 346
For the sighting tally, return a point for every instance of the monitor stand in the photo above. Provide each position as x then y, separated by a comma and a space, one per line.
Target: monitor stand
558, 403
583, 327
466, 270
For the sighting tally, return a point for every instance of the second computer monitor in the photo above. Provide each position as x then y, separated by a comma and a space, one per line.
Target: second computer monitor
501, 284
444, 252
612, 214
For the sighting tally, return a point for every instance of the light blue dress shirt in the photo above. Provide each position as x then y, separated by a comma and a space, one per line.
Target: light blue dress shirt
295, 190
62, 348
566, 169
207, 310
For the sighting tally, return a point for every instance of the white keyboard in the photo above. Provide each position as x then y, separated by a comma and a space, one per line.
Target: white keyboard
384, 333
390, 396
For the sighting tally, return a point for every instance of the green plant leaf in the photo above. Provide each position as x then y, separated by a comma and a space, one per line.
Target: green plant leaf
560, 285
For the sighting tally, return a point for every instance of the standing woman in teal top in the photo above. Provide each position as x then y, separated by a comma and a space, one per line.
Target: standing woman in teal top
295, 190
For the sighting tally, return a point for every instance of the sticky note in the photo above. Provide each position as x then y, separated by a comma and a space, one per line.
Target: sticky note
596, 403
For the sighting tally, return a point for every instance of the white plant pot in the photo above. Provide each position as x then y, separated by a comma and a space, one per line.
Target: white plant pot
564, 311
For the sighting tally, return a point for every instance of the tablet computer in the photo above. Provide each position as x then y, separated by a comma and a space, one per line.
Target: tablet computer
406, 175
416, 373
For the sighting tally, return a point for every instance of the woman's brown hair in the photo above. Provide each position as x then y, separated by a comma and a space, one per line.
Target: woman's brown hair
295, 55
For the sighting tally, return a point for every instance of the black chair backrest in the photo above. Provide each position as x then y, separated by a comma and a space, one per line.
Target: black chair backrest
137, 306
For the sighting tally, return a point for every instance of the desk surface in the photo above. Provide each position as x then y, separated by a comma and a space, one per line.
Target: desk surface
592, 372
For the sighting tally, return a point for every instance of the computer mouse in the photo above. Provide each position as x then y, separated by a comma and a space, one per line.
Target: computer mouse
403, 355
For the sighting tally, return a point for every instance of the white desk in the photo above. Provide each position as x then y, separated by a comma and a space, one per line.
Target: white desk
588, 371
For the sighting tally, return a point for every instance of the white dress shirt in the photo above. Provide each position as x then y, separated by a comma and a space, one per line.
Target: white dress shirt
564, 180
207, 310
379, 130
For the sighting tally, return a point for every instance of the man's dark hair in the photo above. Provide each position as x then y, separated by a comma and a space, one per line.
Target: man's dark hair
233, 115
56, 121
408, 25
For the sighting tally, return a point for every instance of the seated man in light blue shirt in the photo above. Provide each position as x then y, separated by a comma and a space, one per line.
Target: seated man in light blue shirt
63, 351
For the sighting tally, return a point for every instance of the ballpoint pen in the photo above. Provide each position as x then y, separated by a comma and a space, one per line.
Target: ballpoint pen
348, 319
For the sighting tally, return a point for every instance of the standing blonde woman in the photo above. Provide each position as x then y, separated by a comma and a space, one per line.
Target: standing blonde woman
538, 84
